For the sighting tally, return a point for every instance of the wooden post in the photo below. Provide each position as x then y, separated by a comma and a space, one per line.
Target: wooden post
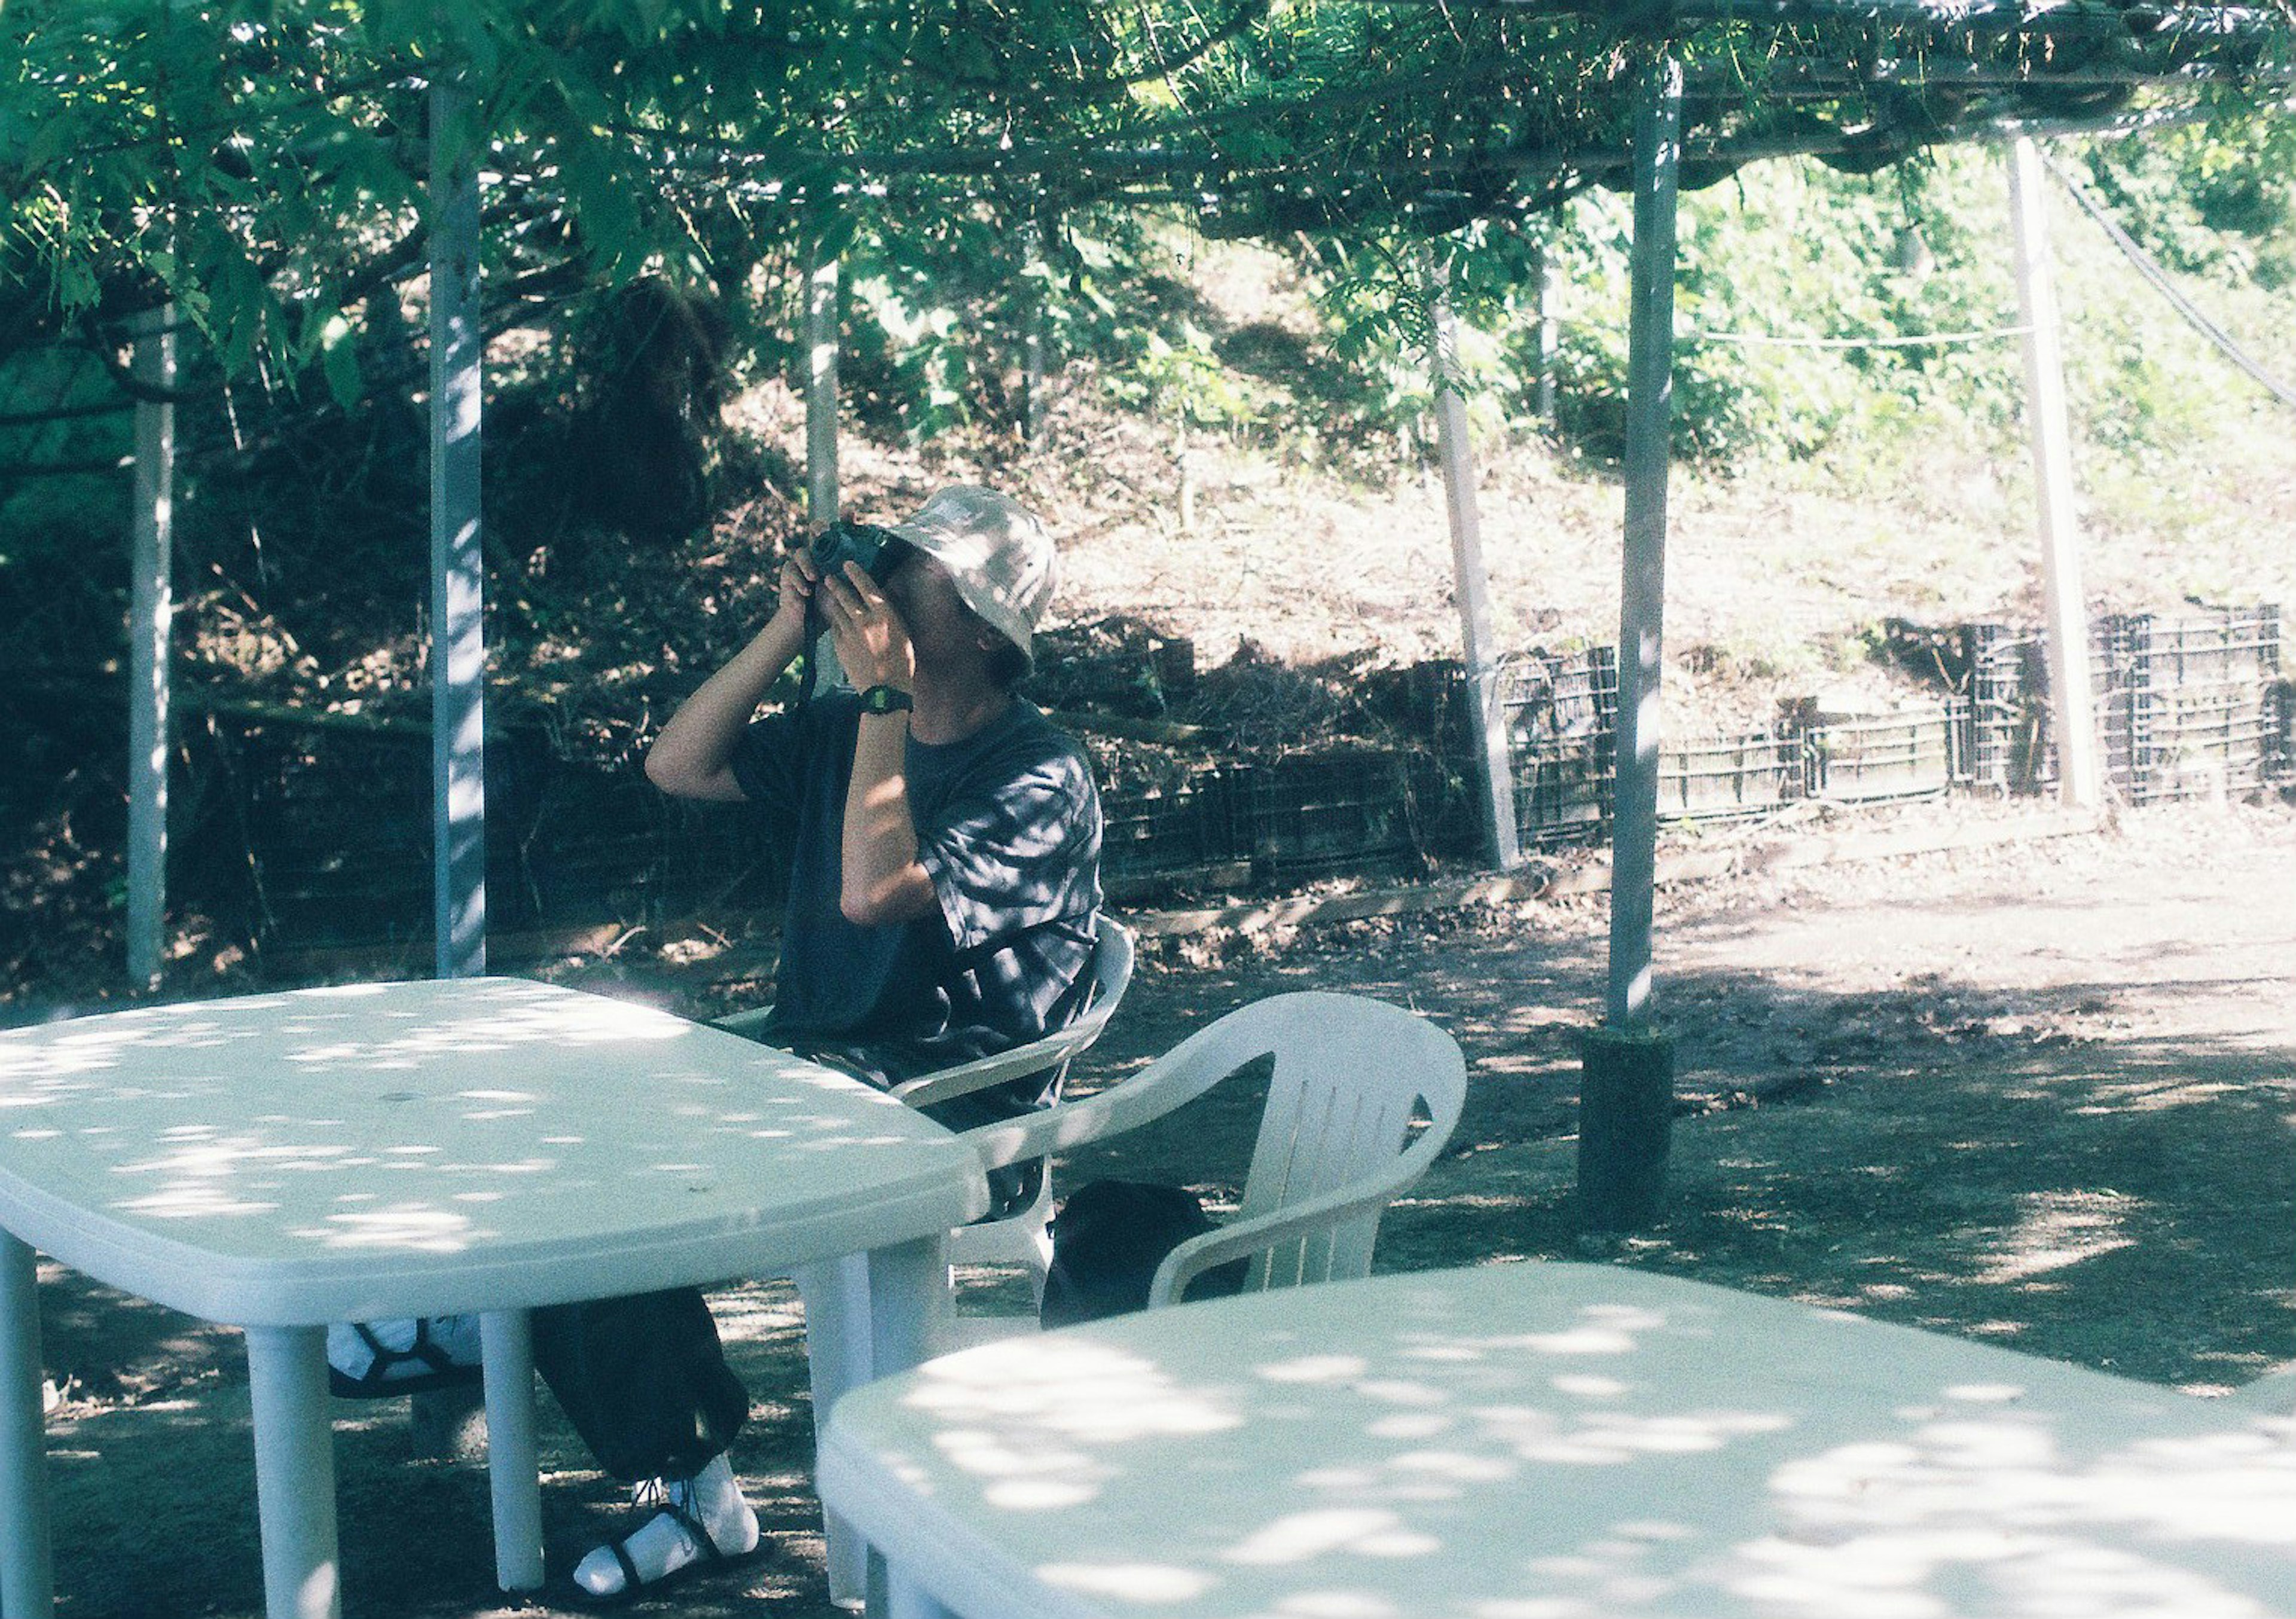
150, 616
458, 645
2072, 706
1650, 413
1471, 582
821, 342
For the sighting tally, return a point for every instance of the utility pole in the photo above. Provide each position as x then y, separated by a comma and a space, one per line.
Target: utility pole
1471, 581
2072, 705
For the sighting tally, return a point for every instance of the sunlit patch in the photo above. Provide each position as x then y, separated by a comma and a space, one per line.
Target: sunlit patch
1409, 1424
1607, 1439
194, 1201
429, 1230
1986, 1393
1335, 1479
1336, 1605
1314, 1368
1297, 1537
1037, 1494
1588, 1386
1141, 1583
1073, 1387
2057, 1228
1397, 1391
1461, 1466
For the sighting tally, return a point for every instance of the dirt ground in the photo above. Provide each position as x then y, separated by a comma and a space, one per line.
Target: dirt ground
2042, 1091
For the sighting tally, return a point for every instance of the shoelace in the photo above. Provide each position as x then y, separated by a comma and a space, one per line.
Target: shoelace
656, 1494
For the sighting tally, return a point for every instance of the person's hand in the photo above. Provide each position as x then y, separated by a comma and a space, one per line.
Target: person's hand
799, 581
872, 643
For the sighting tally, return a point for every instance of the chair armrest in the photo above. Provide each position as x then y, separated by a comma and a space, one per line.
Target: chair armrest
1240, 1238
1126, 1105
965, 1078
1323, 1212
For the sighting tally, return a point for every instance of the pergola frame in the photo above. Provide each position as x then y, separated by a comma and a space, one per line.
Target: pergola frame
1938, 71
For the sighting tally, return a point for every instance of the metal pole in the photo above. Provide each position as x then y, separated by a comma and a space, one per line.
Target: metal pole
458, 645
2072, 707
1032, 347
150, 613
1471, 582
27, 1569
821, 340
1642, 601
1550, 329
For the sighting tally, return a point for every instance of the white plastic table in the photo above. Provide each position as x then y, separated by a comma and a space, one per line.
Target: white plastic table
1554, 1442
279, 1162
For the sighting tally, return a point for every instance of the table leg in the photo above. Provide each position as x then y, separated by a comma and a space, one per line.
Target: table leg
513, 1466
294, 1472
836, 1295
909, 1296
27, 1573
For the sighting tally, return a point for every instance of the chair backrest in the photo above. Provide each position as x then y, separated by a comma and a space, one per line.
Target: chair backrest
1351, 1075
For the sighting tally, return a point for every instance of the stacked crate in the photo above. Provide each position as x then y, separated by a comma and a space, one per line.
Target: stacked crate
1722, 778
1562, 724
1914, 752
1189, 825
2202, 714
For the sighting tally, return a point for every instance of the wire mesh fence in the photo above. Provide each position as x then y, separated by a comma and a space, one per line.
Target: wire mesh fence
334, 821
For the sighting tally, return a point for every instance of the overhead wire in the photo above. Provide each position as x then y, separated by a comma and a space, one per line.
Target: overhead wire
2149, 267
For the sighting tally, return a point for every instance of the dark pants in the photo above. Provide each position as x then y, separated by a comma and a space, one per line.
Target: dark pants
643, 1379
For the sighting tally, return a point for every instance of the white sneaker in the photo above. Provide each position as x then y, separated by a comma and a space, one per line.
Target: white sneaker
702, 1519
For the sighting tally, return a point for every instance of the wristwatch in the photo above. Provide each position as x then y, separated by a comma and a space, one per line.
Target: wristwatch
886, 699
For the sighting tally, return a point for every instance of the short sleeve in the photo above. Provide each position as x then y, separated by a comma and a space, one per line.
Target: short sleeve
1018, 850
766, 761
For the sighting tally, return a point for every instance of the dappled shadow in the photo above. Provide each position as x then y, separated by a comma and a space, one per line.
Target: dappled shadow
155, 1502
1571, 1440
391, 1149
2063, 1167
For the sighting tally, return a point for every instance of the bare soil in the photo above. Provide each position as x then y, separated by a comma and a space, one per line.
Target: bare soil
2042, 1091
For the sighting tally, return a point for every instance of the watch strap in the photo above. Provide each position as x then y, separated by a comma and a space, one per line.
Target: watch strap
886, 699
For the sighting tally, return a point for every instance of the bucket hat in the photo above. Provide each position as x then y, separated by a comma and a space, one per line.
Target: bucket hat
996, 551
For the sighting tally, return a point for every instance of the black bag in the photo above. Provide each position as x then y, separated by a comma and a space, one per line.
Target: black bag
1108, 1240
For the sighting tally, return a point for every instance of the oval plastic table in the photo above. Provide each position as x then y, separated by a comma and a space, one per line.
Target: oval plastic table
279, 1162
1553, 1442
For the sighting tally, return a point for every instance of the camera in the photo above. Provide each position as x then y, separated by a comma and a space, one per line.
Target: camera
879, 551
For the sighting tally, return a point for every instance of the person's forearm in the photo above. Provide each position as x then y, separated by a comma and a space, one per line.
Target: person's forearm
883, 881
690, 759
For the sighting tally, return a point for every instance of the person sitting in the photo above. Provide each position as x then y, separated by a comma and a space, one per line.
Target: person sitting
944, 883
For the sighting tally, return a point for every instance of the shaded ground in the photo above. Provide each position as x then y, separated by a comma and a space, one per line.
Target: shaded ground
2043, 1093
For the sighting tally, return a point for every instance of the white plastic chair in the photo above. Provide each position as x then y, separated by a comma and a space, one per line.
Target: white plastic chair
1024, 1237
1335, 1143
